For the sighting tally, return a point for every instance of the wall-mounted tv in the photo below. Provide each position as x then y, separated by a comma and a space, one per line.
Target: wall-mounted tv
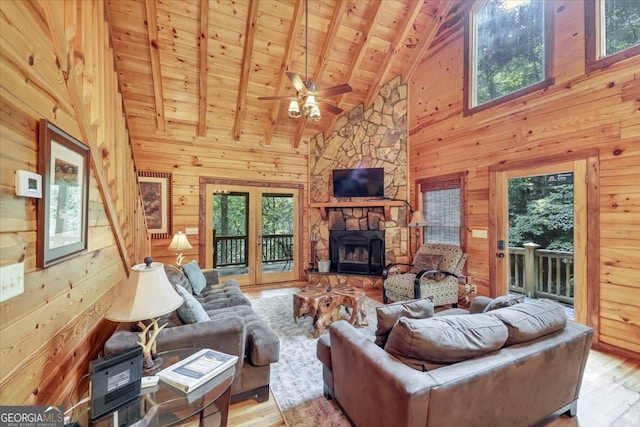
363, 182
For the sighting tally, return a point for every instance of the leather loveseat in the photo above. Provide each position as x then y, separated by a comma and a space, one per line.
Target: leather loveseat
510, 366
230, 325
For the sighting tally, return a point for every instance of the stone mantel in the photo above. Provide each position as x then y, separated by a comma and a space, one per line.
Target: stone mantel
386, 204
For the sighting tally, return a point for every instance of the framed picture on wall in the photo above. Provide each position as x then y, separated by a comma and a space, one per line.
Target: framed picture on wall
155, 188
64, 206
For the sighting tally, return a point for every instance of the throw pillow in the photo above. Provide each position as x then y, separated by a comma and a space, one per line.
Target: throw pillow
504, 301
446, 339
534, 319
196, 278
389, 314
425, 262
191, 311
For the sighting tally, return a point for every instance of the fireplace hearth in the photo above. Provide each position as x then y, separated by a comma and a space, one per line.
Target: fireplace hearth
357, 251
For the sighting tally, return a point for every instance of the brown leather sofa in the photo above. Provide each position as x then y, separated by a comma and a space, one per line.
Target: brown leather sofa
536, 372
232, 327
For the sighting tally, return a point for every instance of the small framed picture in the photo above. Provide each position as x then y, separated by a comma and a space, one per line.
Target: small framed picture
155, 189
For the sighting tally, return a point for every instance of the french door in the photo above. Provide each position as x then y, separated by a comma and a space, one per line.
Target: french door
251, 232
550, 266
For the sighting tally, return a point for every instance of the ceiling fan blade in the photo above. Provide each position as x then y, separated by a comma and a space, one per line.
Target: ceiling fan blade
297, 81
270, 98
330, 107
335, 90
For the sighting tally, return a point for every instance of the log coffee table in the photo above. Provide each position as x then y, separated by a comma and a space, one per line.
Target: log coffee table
324, 306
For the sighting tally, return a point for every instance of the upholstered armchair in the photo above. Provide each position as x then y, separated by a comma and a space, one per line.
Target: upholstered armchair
433, 275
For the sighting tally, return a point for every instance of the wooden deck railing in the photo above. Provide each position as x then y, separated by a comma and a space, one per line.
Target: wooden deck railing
233, 250
541, 273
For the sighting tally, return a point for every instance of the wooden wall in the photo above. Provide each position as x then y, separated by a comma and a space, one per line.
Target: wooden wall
188, 159
598, 111
56, 63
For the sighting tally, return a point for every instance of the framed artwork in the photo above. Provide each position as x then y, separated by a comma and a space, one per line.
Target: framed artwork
64, 206
155, 189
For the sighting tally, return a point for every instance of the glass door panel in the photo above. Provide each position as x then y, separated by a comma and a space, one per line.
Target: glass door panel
252, 233
230, 233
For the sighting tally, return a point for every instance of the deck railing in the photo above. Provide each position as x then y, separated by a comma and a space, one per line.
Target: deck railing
541, 273
233, 250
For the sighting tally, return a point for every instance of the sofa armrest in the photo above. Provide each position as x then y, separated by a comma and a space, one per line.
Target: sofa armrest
387, 268
224, 334
373, 386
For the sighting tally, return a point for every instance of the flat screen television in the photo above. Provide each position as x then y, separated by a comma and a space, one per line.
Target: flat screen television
362, 182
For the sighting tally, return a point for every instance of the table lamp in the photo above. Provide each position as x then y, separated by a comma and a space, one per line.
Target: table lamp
417, 220
144, 297
178, 244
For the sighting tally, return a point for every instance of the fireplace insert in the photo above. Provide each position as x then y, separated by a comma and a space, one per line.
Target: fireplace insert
357, 251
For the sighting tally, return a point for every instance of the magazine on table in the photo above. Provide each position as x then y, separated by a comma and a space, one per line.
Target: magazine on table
196, 369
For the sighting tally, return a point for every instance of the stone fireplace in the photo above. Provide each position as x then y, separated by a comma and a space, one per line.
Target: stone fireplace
357, 252
373, 136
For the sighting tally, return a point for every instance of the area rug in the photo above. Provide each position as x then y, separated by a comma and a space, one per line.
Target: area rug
296, 380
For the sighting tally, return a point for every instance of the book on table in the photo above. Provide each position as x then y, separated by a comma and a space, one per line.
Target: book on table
197, 369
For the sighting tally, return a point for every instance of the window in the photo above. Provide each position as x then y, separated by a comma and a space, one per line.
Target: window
509, 51
612, 31
443, 207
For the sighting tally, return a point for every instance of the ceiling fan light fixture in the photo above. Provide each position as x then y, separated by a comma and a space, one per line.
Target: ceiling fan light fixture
309, 103
314, 114
294, 109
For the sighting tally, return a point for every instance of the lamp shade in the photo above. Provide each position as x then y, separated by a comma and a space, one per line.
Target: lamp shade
417, 220
147, 294
180, 242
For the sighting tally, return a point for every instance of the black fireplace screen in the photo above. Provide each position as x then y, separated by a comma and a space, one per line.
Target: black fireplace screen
359, 252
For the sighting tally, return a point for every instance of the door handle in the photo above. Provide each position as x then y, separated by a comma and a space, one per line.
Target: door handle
499, 255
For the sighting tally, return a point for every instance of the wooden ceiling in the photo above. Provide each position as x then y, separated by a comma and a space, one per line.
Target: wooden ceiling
192, 70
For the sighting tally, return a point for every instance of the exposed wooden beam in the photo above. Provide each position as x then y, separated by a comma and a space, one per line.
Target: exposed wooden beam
401, 34
203, 69
374, 16
154, 53
329, 40
296, 19
250, 34
427, 37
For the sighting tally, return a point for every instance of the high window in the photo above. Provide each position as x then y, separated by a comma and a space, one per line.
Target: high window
612, 31
443, 207
508, 51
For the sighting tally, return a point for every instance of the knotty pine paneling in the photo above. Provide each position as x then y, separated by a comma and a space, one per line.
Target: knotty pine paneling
597, 111
56, 63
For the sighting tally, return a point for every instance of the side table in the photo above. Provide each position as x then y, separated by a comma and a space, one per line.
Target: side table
164, 405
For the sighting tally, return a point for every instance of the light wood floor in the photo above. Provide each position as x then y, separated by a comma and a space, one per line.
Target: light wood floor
610, 393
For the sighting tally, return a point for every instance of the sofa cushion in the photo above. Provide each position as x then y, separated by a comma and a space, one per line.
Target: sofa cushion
531, 320
191, 311
504, 301
425, 262
446, 339
389, 314
195, 276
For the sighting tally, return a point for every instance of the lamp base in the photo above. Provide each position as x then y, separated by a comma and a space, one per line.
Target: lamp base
151, 365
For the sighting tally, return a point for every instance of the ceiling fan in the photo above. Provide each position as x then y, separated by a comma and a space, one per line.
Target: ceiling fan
305, 102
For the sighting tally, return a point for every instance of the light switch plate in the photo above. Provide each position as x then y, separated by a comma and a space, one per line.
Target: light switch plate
11, 281
191, 230
480, 234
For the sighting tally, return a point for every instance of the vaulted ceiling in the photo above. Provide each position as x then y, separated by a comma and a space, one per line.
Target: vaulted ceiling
193, 70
